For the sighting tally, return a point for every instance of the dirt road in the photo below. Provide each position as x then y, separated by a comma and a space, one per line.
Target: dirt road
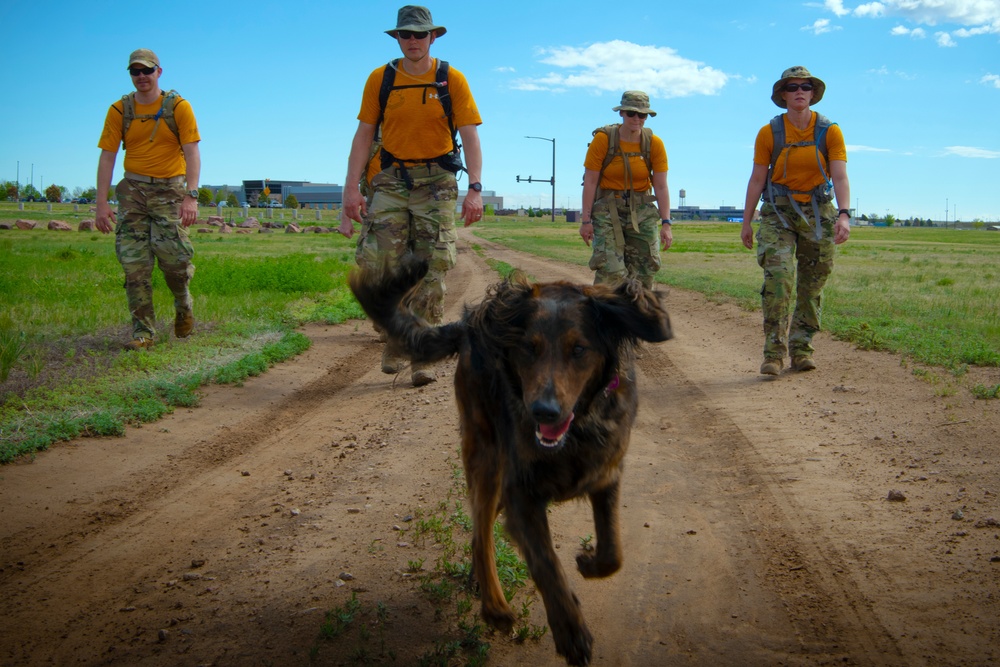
757, 523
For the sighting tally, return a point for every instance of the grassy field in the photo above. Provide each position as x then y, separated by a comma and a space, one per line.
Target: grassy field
929, 295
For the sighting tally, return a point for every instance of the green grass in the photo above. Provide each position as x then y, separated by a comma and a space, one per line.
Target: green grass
930, 295
64, 318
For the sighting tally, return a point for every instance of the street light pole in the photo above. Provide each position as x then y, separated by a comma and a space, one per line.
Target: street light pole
553, 180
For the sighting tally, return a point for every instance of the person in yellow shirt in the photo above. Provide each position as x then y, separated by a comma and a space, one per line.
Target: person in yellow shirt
626, 223
415, 193
798, 157
157, 198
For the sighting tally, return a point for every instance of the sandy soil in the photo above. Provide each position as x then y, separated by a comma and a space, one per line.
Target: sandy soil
757, 520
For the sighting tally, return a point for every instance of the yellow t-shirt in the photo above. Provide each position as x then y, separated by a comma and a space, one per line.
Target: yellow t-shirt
415, 127
613, 177
797, 166
161, 158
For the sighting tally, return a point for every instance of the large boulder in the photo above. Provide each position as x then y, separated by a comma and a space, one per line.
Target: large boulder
59, 226
225, 229
215, 220
88, 225
21, 223
292, 228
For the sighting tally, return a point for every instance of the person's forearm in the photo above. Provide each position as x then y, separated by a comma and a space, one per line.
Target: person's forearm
105, 171
192, 156
473, 152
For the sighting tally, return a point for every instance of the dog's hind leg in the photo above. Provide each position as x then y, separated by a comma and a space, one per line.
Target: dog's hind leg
607, 558
529, 526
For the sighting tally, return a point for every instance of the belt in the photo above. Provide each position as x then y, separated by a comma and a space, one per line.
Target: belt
150, 179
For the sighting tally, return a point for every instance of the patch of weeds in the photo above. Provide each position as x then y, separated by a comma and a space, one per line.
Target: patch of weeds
863, 336
984, 392
13, 345
365, 624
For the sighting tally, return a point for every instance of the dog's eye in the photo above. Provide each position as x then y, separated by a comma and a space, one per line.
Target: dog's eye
579, 351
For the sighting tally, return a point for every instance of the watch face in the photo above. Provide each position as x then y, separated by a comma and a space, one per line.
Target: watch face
478, 187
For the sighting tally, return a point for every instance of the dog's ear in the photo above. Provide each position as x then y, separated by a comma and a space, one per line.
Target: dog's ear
633, 312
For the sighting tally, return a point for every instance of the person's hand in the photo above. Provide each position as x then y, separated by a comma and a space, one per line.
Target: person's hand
105, 221
189, 211
746, 233
354, 207
841, 229
472, 207
666, 236
346, 224
587, 232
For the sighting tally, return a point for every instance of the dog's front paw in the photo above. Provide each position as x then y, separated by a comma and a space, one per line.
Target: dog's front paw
592, 566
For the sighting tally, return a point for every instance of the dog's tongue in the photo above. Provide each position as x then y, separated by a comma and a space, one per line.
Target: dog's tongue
552, 432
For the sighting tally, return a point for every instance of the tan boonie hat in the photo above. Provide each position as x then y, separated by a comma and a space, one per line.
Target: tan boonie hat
797, 72
635, 100
143, 57
416, 19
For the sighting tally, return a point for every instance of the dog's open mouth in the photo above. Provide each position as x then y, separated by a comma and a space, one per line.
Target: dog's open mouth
553, 435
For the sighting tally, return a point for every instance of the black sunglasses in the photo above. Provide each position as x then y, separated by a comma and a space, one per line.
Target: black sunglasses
792, 87
136, 71
406, 34
633, 114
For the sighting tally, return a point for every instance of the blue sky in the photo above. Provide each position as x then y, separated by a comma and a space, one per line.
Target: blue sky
276, 87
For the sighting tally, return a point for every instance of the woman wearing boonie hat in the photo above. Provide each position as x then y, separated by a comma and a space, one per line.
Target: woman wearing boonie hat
626, 222
799, 156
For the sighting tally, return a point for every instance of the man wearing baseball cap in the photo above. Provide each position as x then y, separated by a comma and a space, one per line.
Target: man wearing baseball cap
415, 193
157, 198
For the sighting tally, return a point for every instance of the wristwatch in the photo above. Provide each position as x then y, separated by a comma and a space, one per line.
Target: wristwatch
192, 193
665, 221
843, 211
477, 186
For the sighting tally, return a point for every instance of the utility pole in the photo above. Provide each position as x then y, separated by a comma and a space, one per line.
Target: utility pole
552, 180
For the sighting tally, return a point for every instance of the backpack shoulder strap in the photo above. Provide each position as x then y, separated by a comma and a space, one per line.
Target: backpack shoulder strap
128, 113
614, 146
778, 133
646, 148
819, 133
388, 79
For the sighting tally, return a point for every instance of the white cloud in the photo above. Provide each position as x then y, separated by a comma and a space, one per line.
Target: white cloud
837, 7
933, 12
944, 39
870, 10
976, 17
903, 31
821, 26
969, 151
618, 65
866, 149
504, 68
991, 80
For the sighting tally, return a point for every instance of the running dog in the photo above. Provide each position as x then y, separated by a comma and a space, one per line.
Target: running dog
546, 394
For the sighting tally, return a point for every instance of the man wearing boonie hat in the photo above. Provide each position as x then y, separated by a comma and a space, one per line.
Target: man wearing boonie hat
415, 194
799, 157
625, 221
157, 198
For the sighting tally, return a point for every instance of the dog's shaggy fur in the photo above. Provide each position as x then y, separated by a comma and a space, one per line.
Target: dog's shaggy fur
547, 397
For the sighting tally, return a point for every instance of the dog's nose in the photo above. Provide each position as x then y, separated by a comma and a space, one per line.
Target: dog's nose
545, 411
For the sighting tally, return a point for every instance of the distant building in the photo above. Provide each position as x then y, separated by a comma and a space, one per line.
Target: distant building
315, 195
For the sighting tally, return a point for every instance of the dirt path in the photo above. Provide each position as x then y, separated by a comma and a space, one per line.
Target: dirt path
756, 520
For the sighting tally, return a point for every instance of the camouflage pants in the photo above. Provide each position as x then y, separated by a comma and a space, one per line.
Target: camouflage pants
420, 221
149, 230
639, 257
799, 253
